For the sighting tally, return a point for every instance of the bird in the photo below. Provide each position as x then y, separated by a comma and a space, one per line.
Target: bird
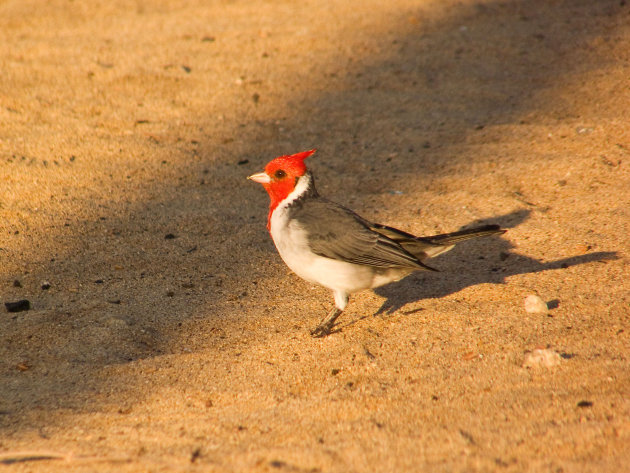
328, 244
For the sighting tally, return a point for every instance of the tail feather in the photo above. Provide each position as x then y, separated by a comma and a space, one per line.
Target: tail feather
456, 237
438, 244
431, 246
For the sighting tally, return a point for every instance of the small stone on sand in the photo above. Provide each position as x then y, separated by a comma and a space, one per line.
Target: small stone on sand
535, 305
18, 306
541, 358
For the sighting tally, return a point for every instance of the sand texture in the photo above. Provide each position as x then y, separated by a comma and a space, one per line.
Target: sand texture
165, 334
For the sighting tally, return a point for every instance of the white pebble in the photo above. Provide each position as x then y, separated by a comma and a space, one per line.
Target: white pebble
541, 357
535, 305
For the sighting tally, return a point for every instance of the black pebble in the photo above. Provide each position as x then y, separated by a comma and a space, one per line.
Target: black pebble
17, 283
18, 306
45, 286
584, 404
243, 161
169, 236
195, 455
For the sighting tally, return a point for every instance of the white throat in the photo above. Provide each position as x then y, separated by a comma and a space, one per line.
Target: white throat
301, 187
280, 216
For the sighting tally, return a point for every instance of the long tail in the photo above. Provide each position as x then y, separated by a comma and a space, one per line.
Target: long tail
431, 246
438, 244
456, 237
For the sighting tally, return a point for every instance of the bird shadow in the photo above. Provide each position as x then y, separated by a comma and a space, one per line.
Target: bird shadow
487, 260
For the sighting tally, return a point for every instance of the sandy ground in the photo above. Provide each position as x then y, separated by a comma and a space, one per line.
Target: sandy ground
171, 337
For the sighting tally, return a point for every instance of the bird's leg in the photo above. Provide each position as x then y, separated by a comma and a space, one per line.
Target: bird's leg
326, 324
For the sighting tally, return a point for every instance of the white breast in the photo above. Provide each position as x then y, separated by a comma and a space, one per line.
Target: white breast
292, 244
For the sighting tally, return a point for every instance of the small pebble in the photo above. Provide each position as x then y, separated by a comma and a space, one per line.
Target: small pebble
45, 285
541, 357
169, 236
18, 306
535, 305
584, 130
17, 283
195, 455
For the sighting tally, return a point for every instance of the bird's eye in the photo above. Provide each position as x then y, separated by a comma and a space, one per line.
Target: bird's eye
279, 174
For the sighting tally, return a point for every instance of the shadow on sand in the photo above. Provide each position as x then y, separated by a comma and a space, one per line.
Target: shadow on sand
488, 260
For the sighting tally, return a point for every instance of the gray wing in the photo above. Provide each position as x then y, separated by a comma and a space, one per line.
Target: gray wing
336, 232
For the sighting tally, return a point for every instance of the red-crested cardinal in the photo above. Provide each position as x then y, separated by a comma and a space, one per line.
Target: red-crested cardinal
328, 244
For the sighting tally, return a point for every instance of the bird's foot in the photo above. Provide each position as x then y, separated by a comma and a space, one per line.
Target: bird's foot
325, 326
322, 330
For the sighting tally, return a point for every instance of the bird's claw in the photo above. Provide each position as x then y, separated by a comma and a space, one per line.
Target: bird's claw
325, 326
322, 330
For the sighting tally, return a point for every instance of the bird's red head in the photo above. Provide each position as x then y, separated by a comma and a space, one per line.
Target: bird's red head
280, 177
